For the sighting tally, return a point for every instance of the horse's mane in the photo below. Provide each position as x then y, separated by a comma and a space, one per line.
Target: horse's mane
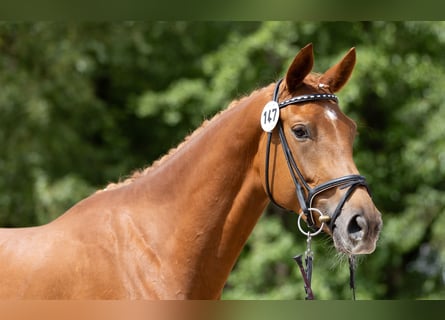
311, 80
142, 172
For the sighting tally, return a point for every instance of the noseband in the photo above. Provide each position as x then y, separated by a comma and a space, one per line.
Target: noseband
306, 194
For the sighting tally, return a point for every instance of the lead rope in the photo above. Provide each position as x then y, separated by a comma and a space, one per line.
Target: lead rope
306, 269
306, 273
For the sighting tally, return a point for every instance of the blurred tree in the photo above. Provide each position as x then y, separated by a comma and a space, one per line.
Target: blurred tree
84, 104
68, 104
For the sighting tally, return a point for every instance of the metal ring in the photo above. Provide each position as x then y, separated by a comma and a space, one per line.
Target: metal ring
307, 233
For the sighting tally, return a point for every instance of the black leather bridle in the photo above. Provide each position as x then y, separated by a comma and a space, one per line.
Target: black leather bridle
304, 192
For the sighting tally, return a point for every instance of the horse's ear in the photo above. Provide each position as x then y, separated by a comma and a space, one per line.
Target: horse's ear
337, 76
300, 67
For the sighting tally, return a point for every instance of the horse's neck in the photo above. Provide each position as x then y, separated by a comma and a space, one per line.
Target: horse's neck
213, 197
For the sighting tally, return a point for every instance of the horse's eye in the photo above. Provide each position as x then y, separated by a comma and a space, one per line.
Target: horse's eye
301, 132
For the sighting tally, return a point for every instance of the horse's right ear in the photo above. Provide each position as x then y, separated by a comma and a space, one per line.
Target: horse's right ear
300, 67
337, 76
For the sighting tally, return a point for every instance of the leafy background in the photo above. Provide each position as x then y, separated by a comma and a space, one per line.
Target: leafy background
84, 104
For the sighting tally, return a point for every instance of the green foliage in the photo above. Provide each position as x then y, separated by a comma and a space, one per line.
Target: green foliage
85, 104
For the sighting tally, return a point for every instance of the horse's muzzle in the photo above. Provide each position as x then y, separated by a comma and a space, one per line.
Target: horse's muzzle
357, 233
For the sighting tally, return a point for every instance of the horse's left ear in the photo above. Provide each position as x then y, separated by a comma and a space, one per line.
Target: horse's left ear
300, 67
337, 76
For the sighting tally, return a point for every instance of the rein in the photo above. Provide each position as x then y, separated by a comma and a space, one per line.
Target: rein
305, 194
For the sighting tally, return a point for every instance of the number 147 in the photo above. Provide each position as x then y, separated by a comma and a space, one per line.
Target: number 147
270, 115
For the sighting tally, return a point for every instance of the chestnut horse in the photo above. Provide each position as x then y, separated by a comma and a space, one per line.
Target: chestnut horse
176, 229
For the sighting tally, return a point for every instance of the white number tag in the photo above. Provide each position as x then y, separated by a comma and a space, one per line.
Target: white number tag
270, 116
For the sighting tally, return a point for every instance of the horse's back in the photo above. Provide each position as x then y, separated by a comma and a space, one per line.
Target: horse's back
53, 261
22, 255
89, 253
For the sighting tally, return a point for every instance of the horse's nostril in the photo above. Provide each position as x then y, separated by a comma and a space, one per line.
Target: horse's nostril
356, 228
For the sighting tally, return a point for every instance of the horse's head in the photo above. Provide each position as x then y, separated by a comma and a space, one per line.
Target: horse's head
310, 149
